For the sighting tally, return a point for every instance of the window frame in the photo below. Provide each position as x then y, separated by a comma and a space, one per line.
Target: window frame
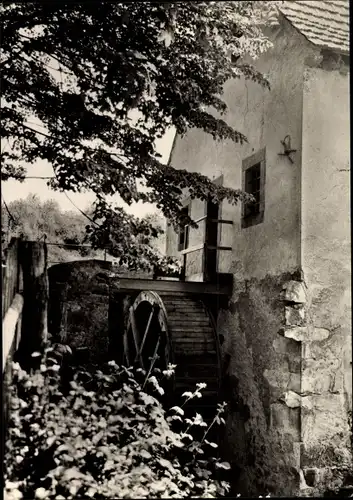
258, 158
185, 244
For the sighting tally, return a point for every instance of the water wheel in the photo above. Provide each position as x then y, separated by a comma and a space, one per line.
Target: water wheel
146, 340
176, 329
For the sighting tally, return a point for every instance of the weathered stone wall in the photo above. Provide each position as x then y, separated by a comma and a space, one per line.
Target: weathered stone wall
326, 262
79, 315
263, 426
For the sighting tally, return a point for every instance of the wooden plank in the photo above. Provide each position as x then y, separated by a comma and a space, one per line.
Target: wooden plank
126, 285
193, 321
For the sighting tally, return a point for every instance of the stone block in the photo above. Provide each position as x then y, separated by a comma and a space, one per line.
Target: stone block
285, 420
294, 291
332, 348
283, 345
291, 399
324, 421
326, 457
279, 415
295, 315
294, 363
278, 381
322, 375
306, 333
294, 383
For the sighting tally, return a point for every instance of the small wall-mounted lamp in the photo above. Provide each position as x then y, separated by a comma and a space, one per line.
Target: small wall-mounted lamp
287, 150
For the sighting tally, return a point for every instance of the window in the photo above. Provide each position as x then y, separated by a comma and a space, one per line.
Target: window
183, 235
254, 184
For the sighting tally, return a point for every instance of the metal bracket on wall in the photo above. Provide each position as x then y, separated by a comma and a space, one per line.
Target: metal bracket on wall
287, 150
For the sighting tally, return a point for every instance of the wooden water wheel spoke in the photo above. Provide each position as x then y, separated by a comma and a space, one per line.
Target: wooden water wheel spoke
146, 335
140, 349
135, 334
154, 358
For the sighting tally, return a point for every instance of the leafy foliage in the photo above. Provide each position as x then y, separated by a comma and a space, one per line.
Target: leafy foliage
34, 219
103, 435
90, 87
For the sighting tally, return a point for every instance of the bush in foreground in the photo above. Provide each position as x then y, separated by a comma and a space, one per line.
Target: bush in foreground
106, 436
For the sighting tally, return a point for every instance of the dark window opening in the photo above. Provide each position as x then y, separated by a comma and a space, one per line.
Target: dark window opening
253, 187
211, 239
254, 168
183, 238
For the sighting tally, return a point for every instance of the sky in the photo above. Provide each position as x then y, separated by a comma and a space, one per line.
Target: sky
13, 190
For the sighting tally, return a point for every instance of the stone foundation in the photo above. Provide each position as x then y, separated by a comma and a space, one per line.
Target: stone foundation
287, 427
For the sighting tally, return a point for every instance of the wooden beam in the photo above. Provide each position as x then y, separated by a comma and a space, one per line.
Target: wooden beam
222, 221
204, 217
211, 247
192, 249
128, 285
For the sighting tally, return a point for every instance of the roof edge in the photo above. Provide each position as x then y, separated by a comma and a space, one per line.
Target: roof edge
319, 46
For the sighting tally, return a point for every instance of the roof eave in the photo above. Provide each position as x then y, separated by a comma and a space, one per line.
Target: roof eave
318, 46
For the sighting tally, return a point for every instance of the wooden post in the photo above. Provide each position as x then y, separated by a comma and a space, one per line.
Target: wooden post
34, 331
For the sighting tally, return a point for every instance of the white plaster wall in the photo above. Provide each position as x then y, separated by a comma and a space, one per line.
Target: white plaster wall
326, 224
265, 117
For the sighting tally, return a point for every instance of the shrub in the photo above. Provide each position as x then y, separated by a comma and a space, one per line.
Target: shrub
106, 436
